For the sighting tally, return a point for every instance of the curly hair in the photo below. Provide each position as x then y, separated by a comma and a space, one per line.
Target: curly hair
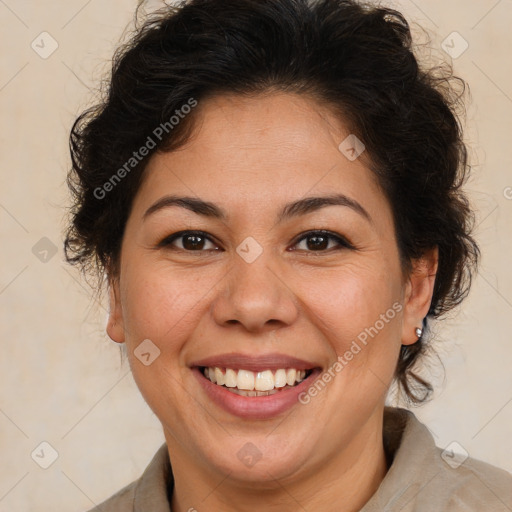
354, 57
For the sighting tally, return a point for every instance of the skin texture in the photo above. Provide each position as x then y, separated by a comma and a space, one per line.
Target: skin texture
251, 156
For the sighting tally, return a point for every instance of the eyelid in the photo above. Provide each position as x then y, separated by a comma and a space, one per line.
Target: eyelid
342, 241
179, 234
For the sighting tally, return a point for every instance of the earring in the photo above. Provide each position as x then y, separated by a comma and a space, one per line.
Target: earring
418, 332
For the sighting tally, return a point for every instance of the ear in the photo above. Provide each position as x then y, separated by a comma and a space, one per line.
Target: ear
418, 294
115, 326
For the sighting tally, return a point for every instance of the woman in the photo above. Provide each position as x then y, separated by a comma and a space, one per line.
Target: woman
273, 191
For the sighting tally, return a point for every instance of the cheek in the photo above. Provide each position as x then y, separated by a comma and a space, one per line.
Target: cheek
358, 311
349, 300
161, 304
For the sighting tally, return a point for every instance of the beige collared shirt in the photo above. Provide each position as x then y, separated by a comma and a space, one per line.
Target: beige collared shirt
419, 479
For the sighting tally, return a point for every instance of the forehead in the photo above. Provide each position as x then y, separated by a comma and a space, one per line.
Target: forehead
261, 150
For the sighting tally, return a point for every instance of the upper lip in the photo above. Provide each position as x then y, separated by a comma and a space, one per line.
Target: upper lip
253, 363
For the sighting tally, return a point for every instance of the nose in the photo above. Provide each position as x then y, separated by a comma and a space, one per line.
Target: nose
256, 297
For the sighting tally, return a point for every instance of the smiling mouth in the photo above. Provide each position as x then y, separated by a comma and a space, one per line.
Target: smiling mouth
253, 384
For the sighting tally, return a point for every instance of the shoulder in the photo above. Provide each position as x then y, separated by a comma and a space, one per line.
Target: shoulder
149, 492
471, 484
122, 500
423, 477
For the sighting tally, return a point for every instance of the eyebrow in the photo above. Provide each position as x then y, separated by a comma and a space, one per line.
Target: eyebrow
294, 209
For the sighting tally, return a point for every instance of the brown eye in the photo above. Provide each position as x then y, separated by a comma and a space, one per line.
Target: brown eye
320, 241
188, 241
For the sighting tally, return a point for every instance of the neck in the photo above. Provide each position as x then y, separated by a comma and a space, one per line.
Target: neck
345, 482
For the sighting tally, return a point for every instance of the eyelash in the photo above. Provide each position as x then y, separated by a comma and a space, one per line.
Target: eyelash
342, 242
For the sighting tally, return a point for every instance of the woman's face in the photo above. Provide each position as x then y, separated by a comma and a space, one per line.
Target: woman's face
260, 289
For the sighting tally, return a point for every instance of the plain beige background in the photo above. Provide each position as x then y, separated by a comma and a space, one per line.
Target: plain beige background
62, 382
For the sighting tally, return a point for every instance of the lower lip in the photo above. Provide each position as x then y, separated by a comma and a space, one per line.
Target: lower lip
254, 407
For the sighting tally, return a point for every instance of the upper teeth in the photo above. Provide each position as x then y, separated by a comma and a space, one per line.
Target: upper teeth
259, 381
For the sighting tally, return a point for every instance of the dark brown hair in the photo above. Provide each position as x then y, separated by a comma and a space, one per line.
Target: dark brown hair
357, 58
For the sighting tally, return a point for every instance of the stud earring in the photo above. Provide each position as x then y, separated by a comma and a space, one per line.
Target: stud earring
418, 332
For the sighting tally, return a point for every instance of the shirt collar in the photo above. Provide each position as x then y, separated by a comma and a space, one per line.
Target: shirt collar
153, 491
415, 461
408, 443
